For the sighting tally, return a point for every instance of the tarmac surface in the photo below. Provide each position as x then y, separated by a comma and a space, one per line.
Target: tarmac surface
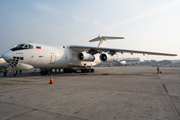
111, 93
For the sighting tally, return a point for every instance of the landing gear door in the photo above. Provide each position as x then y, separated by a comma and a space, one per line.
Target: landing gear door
53, 58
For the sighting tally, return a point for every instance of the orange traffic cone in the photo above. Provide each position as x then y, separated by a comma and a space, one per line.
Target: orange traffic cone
51, 80
160, 72
72, 73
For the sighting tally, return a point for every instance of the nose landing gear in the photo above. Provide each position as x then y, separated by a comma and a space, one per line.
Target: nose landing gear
87, 70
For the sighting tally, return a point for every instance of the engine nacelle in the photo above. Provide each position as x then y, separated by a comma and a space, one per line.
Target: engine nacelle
106, 57
85, 57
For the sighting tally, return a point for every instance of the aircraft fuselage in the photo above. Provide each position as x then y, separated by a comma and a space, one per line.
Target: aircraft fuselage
46, 57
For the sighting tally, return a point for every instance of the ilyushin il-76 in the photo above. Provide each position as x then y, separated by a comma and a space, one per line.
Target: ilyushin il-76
70, 58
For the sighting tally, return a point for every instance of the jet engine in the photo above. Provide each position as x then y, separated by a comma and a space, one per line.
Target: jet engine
106, 57
85, 57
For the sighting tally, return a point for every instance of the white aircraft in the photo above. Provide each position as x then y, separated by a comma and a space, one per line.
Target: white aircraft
128, 61
70, 58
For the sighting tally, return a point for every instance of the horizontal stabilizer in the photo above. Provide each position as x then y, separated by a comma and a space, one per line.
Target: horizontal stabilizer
104, 38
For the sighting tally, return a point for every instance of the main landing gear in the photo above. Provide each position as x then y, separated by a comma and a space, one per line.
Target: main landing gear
69, 70
87, 70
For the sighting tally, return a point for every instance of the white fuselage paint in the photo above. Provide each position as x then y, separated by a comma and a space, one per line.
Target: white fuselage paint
49, 57
2, 61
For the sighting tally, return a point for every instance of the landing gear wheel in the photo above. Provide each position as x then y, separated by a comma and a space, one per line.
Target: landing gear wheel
92, 70
69, 70
83, 70
45, 72
87, 70
65, 70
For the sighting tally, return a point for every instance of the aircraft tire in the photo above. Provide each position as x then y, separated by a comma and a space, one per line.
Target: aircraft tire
92, 70
44, 72
87, 70
83, 70
65, 70
68, 70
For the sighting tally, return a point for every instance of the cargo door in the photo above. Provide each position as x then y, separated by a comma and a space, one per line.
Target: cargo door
53, 58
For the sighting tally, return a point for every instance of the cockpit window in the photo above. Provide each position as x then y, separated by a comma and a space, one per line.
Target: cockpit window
30, 46
22, 47
26, 46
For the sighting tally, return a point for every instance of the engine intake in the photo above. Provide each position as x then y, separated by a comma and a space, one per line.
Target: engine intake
85, 57
106, 57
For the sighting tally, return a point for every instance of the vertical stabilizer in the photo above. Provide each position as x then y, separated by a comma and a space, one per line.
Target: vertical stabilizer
102, 40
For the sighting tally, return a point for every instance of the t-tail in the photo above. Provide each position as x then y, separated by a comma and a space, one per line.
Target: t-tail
102, 40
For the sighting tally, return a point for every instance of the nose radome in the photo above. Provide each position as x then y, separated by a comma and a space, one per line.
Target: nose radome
7, 55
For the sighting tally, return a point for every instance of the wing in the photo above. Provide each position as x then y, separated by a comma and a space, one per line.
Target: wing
112, 51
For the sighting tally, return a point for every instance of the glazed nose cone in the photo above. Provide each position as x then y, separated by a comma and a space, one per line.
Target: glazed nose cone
7, 55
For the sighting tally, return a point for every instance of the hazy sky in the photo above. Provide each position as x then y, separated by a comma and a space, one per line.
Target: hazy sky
148, 25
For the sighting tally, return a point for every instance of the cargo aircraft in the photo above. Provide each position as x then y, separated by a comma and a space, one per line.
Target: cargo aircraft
128, 61
71, 58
